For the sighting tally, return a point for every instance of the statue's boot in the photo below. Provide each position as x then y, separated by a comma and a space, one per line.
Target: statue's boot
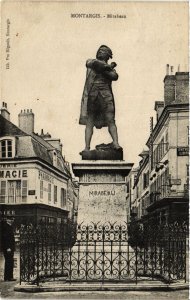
108, 146
116, 146
85, 149
104, 146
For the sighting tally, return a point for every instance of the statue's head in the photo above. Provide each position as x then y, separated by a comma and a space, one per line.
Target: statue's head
104, 53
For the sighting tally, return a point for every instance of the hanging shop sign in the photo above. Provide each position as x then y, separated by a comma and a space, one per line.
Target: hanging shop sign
31, 192
182, 151
175, 181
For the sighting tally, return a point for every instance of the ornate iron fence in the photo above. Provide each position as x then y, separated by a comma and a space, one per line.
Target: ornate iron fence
102, 252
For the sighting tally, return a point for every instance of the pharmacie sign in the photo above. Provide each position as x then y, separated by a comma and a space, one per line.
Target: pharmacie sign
11, 174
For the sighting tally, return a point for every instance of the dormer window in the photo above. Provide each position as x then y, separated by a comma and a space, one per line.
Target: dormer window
7, 148
54, 158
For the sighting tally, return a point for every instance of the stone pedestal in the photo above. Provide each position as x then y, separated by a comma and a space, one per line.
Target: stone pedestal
102, 190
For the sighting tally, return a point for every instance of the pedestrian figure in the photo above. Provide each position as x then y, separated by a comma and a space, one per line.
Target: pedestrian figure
8, 247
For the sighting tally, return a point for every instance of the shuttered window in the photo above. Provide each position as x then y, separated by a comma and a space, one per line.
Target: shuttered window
24, 190
41, 189
63, 197
49, 192
55, 194
2, 191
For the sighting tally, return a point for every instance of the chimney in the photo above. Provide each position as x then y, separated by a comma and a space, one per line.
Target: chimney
4, 111
159, 106
167, 69
45, 135
169, 87
26, 121
182, 87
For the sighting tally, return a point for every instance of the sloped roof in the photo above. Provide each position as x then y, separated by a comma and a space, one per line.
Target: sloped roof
41, 151
61, 165
8, 128
42, 141
35, 146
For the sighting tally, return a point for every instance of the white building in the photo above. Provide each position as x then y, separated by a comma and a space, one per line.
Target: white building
131, 194
165, 198
35, 180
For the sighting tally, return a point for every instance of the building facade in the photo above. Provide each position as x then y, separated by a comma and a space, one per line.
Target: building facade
36, 184
162, 182
35, 179
130, 194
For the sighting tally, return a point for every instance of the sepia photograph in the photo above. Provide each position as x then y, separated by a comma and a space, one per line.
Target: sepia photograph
94, 149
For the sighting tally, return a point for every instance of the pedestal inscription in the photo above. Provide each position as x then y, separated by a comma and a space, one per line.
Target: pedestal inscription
102, 191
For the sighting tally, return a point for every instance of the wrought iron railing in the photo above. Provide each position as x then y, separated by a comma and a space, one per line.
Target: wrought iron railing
102, 252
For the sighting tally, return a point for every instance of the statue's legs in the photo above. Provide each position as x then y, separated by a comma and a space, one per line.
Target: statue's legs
88, 133
112, 128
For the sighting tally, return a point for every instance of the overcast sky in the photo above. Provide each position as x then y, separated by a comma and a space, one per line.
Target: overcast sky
47, 64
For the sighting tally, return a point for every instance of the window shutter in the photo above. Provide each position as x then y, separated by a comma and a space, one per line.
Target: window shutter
24, 190
2, 191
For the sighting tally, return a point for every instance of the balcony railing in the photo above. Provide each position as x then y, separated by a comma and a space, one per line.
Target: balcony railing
4, 199
165, 191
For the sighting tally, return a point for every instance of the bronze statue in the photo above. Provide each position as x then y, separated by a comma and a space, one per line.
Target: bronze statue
97, 106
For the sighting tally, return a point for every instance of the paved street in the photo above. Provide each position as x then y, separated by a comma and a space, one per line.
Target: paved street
7, 291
